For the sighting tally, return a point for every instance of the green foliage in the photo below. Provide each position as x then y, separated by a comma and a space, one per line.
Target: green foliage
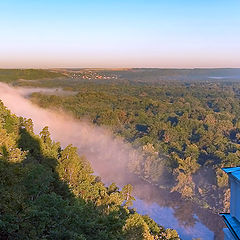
222, 178
50, 193
11, 75
186, 124
181, 128
185, 184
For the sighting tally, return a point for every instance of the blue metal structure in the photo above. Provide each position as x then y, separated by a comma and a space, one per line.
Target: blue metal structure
232, 219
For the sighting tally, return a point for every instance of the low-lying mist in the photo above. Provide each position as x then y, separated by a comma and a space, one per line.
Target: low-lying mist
108, 155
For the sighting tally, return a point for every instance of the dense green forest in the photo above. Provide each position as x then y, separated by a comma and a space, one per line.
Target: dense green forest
51, 193
186, 122
11, 75
187, 130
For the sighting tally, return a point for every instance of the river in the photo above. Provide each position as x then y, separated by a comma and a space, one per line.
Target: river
100, 147
171, 211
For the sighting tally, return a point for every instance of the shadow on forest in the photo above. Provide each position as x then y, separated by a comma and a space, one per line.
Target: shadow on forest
37, 204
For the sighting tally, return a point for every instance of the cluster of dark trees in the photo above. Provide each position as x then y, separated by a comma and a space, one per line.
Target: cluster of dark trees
47, 192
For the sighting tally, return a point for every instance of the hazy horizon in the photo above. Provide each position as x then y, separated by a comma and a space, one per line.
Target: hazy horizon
121, 68
120, 34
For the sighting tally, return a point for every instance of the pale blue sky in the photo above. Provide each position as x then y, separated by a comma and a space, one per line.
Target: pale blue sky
120, 33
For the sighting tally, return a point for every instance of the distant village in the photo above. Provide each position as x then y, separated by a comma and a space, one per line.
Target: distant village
94, 75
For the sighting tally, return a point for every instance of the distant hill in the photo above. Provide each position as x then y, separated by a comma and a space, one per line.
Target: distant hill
141, 75
10, 75
197, 74
156, 75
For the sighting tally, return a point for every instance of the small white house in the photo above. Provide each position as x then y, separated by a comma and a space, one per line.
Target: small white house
232, 219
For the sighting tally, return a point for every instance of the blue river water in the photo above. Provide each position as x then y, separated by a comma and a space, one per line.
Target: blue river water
165, 216
171, 211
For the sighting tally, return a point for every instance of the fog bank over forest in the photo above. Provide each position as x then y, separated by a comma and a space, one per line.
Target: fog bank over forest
108, 155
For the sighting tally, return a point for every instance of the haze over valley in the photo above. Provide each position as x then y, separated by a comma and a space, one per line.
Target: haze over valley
119, 120
122, 147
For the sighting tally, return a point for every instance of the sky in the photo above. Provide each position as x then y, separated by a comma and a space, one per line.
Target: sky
119, 33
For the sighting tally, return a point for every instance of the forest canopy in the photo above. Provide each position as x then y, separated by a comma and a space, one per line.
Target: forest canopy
51, 193
186, 121
11, 75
